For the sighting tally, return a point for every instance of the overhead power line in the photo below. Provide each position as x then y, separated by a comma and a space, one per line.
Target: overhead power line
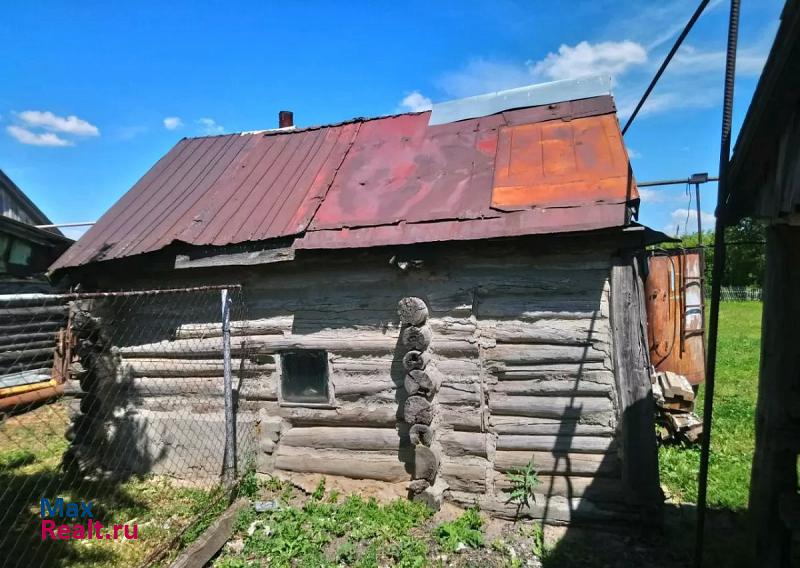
667, 59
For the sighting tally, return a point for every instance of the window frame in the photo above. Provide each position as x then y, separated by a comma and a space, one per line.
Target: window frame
329, 403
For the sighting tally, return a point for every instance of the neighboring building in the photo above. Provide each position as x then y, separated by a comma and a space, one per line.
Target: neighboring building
29, 329
764, 183
25, 251
509, 216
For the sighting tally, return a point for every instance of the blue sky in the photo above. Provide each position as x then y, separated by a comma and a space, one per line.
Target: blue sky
93, 95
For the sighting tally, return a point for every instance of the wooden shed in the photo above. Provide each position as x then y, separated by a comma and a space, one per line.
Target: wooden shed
764, 182
432, 299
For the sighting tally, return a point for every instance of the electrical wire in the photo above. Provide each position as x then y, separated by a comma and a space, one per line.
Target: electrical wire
667, 59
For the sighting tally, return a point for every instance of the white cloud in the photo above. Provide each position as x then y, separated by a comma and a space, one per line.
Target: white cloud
608, 57
173, 122
25, 136
54, 123
647, 195
209, 126
684, 221
415, 102
634, 154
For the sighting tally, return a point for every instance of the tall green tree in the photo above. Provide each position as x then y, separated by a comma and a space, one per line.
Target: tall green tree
745, 261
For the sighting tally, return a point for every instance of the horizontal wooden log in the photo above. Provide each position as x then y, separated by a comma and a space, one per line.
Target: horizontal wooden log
554, 510
10, 357
29, 312
463, 443
356, 465
462, 394
595, 371
557, 444
453, 327
460, 418
8, 340
606, 465
351, 414
358, 439
25, 327
249, 388
525, 425
262, 326
552, 388
596, 488
356, 343
596, 410
27, 345
538, 354
41, 361
465, 474
412, 311
548, 331
354, 387
192, 367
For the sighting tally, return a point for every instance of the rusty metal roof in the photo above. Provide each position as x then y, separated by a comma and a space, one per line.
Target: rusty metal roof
369, 182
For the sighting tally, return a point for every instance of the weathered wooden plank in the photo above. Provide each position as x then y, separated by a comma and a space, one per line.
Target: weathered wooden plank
465, 474
550, 331
595, 371
262, 326
514, 354
460, 418
191, 367
335, 437
525, 425
557, 444
462, 394
600, 408
631, 360
356, 465
552, 388
463, 443
595, 488
546, 463
551, 510
349, 414
249, 258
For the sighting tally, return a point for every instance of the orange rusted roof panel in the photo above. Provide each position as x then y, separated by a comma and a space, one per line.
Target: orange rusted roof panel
562, 164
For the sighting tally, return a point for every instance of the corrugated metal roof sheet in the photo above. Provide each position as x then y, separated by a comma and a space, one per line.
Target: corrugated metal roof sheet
370, 182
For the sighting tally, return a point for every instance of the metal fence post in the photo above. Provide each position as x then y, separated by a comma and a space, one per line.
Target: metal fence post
229, 460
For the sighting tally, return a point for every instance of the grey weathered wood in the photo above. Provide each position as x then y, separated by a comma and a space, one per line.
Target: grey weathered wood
412, 311
526, 425
596, 488
417, 338
261, 326
546, 463
521, 354
356, 465
775, 461
415, 360
465, 473
201, 551
264, 256
461, 418
422, 381
420, 434
597, 410
553, 388
426, 463
557, 444
463, 443
190, 367
349, 414
417, 410
636, 405
348, 438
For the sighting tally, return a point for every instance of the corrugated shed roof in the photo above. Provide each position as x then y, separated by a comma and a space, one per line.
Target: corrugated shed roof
368, 182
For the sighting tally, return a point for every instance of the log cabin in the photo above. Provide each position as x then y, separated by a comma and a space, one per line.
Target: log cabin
431, 299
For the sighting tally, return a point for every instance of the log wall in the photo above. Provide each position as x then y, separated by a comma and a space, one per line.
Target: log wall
520, 341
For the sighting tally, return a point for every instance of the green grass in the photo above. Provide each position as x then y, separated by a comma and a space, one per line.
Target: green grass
733, 435
31, 447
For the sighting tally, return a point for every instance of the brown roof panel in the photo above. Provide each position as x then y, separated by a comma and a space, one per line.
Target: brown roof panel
390, 180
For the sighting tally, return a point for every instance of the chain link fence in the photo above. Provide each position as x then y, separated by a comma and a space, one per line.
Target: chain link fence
122, 432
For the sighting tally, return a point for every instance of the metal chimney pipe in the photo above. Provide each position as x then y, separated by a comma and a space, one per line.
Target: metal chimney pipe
285, 119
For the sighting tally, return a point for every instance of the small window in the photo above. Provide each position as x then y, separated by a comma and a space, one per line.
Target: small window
304, 377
